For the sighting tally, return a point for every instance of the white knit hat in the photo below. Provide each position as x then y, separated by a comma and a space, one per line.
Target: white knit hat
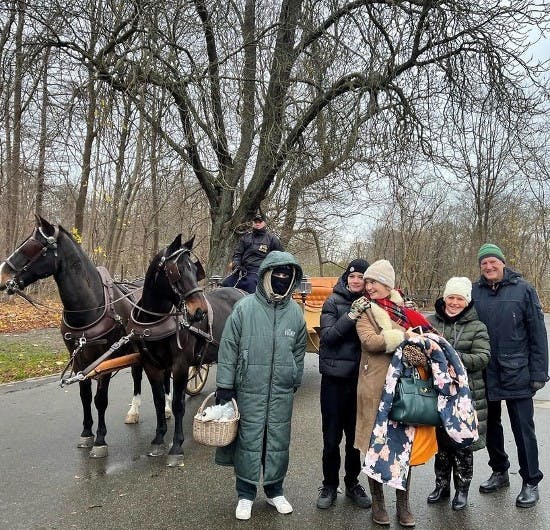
382, 272
459, 285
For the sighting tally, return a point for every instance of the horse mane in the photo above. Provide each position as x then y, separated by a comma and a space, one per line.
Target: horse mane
77, 246
154, 263
67, 233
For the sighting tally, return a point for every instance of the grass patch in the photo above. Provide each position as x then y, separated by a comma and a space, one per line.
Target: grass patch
20, 361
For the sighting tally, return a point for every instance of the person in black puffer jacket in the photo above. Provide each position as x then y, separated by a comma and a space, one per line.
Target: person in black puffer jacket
339, 356
457, 321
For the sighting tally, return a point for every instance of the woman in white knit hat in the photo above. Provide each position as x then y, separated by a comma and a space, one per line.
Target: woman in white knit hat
381, 329
456, 319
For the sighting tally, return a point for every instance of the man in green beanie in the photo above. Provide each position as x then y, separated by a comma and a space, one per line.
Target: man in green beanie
489, 250
511, 310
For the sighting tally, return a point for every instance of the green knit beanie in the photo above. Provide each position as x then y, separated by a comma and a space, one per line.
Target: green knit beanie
489, 250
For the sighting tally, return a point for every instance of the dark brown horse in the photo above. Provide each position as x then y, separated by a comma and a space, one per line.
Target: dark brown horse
177, 326
95, 312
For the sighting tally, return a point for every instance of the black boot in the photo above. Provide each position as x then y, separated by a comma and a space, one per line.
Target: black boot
442, 468
496, 481
463, 469
528, 496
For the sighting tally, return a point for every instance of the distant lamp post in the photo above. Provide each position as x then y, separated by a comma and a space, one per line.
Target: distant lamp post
304, 288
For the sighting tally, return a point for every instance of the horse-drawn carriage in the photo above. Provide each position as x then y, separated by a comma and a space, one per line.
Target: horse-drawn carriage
103, 324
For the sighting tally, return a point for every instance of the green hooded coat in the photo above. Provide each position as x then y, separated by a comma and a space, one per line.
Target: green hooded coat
261, 357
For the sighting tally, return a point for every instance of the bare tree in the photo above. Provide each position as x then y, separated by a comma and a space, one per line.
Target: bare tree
237, 75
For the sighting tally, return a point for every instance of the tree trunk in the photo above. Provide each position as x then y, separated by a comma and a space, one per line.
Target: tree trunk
40, 177
15, 174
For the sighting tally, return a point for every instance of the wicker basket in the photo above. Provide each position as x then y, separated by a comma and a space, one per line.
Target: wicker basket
215, 433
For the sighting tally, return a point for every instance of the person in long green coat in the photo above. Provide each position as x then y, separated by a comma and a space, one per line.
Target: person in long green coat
260, 363
456, 319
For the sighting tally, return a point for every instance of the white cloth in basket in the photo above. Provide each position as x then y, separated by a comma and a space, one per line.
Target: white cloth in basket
217, 412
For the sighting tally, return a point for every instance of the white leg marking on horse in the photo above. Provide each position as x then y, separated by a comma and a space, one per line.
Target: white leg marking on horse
168, 406
133, 414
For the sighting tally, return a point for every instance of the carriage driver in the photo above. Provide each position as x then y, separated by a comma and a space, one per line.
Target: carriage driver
251, 249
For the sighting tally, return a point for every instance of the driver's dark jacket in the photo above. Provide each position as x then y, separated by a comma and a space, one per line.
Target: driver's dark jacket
519, 347
253, 247
339, 347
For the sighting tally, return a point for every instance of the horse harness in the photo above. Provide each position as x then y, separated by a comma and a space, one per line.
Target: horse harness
168, 325
94, 333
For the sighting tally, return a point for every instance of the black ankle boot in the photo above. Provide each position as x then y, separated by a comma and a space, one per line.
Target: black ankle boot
460, 500
528, 496
495, 482
441, 491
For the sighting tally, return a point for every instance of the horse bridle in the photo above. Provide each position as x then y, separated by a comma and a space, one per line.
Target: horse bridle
170, 266
27, 253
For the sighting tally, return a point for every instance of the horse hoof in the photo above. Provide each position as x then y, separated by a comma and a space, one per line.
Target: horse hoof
157, 450
85, 442
99, 451
131, 419
175, 461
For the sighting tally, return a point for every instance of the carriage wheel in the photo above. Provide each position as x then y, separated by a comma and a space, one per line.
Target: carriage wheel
197, 379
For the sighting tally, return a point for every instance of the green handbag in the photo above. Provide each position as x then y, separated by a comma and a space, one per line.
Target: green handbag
415, 401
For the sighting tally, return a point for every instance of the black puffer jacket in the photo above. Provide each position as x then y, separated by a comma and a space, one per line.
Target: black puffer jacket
339, 348
519, 346
469, 337
253, 247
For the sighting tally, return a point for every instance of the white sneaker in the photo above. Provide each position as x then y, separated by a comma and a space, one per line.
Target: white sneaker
282, 505
244, 509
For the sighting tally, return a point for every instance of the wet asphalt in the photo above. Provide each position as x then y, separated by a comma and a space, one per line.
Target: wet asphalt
47, 482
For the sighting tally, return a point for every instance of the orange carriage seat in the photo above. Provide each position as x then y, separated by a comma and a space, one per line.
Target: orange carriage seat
321, 289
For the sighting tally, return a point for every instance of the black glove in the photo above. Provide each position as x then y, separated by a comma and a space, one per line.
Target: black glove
223, 395
537, 385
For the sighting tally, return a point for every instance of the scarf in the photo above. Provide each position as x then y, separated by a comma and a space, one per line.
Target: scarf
395, 311
404, 316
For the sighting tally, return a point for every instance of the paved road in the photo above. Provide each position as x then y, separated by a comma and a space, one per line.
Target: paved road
46, 482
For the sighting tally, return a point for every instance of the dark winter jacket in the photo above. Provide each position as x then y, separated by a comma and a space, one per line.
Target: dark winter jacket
339, 347
519, 345
469, 337
261, 357
253, 247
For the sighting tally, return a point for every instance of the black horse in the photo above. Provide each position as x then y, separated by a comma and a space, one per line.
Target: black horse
177, 327
95, 311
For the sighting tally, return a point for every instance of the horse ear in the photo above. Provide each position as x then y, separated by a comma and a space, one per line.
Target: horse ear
189, 244
175, 245
45, 225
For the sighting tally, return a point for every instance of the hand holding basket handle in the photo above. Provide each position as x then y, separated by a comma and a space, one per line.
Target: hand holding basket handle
223, 395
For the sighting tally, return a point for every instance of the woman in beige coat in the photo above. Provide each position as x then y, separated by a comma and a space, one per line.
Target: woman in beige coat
381, 329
